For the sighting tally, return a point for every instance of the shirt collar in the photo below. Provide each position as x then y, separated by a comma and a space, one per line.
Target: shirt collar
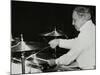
86, 25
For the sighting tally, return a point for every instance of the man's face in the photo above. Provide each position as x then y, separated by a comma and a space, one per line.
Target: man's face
77, 21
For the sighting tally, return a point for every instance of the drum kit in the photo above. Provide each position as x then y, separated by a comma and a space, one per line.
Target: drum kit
23, 47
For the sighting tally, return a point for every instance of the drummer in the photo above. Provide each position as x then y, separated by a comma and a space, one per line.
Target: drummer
82, 48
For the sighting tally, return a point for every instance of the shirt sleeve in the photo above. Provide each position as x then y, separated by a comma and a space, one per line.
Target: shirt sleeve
64, 43
76, 48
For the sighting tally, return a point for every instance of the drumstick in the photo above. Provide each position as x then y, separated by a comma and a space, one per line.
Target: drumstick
39, 59
66, 66
42, 49
37, 52
43, 59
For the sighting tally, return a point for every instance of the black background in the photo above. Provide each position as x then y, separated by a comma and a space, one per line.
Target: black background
34, 18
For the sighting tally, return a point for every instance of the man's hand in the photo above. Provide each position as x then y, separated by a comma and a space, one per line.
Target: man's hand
54, 43
51, 62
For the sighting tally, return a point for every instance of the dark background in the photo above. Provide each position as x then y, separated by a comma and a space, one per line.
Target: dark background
33, 18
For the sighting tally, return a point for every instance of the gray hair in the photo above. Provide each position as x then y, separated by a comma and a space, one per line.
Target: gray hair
83, 11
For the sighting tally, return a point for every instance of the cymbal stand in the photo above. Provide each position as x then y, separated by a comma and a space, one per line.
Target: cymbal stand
23, 62
55, 47
23, 57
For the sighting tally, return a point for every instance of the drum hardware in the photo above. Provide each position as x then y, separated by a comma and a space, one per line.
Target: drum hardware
36, 62
23, 47
54, 34
35, 58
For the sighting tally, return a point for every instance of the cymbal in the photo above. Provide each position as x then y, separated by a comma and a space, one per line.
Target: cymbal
21, 46
27, 46
53, 33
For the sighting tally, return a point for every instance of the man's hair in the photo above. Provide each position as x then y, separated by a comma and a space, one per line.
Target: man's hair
83, 11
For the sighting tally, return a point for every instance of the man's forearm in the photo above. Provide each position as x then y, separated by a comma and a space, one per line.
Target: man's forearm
69, 57
64, 43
